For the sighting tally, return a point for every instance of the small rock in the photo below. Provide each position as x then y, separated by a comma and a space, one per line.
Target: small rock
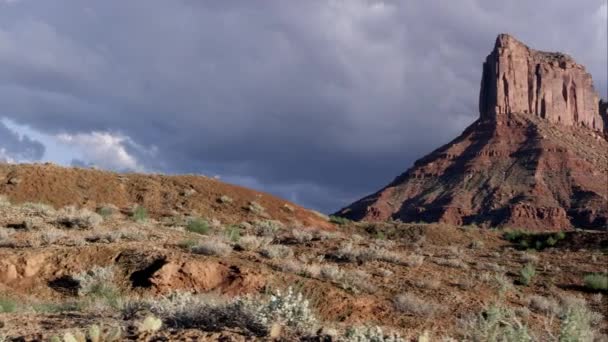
14, 181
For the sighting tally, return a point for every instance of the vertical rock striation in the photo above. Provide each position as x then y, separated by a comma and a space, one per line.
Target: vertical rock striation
517, 79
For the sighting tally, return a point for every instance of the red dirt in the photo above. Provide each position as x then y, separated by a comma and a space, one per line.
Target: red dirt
160, 195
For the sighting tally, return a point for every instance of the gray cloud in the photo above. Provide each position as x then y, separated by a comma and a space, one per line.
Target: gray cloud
14, 147
317, 101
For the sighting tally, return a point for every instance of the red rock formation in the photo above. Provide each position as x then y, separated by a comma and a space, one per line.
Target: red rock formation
536, 158
517, 79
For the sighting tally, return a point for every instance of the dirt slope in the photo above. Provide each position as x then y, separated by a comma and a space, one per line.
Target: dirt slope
160, 195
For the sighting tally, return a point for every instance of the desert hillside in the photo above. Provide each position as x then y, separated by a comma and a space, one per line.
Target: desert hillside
160, 195
68, 272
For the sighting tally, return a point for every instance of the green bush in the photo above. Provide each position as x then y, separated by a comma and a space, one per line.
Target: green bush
341, 221
497, 323
7, 305
233, 233
140, 214
105, 212
527, 273
596, 281
197, 225
539, 241
187, 244
514, 235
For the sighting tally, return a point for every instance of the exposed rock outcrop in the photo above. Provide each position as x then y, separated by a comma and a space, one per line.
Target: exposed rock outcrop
517, 79
536, 158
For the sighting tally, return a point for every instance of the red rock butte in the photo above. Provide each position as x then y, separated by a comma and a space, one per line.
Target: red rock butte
537, 157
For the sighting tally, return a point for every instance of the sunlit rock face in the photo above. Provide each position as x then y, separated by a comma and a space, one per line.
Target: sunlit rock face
517, 79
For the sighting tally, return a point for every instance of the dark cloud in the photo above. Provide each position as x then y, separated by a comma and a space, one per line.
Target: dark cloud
14, 147
317, 101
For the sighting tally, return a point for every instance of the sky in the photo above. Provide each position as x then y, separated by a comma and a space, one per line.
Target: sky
320, 101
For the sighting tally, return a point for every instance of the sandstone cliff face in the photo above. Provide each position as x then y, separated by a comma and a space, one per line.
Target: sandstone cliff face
517, 79
536, 158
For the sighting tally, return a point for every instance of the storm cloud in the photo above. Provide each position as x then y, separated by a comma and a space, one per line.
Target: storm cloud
317, 101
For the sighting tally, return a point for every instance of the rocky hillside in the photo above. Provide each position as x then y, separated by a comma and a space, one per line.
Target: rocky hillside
161, 196
537, 157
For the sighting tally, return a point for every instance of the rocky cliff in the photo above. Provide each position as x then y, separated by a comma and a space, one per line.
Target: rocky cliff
517, 79
536, 158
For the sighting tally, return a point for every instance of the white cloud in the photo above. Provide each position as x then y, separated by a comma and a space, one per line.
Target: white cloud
4, 157
103, 149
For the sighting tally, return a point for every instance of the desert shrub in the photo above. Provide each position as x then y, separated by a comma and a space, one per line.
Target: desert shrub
256, 208
413, 260
529, 257
301, 235
290, 266
7, 305
289, 308
39, 208
225, 199
277, 251
326, 235
514, 235
256, 315
357, 281
150, 324
212, 247
380, 254
198, 226
267, 227
233, 233
596, 281
503, 283
341, 221
106, 211
183, 310
476, 244
412, 304
331, 273
187, 244
526, 240
370, 334
497, 324
59, 307
527, 273
140, 214
253, 243
98, 283
383, 272
94, 333
347, 252
70, 217
544, 305
578, 322
49, 237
